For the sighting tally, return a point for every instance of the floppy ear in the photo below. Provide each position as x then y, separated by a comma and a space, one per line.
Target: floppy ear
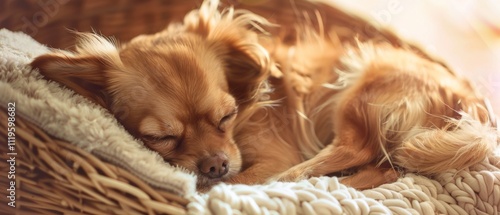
247, 66
84, 75
235, 34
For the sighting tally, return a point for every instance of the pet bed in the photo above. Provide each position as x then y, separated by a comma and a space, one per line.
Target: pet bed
71, 156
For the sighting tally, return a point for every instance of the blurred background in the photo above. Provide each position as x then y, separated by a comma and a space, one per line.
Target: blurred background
464, 33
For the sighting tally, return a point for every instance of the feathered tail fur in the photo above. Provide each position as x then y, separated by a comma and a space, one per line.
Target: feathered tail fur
423, 117
459, 145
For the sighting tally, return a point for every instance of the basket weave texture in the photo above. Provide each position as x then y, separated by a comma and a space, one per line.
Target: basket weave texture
54, 176
50, 21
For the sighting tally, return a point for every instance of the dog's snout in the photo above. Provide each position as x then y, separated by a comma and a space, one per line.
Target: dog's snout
214, 166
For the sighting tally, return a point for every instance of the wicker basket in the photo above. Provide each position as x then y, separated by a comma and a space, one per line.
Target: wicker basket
54, 176
48, 21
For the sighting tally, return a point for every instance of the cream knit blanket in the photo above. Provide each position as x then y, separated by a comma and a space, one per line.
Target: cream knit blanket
68, 116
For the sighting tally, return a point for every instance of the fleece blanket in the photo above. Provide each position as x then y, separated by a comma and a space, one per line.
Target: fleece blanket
68, 116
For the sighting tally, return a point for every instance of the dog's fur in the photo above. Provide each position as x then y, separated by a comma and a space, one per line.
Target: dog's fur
200, 90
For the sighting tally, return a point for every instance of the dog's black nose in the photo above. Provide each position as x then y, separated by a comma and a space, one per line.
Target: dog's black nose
214, 166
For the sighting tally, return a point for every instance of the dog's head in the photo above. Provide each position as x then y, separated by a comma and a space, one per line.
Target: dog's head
180, 91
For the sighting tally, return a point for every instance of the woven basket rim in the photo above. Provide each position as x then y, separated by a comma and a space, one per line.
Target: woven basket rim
60, 172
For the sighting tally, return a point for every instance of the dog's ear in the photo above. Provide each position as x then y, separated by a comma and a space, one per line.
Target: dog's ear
83, 71
247, 66
235, 34
84, 75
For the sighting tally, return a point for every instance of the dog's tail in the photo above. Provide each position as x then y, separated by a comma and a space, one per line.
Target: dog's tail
463, 143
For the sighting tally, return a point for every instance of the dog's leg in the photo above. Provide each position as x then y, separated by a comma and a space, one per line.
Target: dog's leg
349, 149
371, 177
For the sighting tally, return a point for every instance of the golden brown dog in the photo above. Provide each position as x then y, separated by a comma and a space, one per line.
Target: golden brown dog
386, 106
213, 95
180, 91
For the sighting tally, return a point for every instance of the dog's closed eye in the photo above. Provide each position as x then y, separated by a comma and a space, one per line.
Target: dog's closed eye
226, 120
154, 140
164, 144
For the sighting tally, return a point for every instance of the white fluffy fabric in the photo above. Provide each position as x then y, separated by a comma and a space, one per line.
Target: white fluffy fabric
472, 191
65, 115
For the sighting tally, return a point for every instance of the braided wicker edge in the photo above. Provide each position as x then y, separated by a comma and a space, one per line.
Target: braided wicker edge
53, 177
